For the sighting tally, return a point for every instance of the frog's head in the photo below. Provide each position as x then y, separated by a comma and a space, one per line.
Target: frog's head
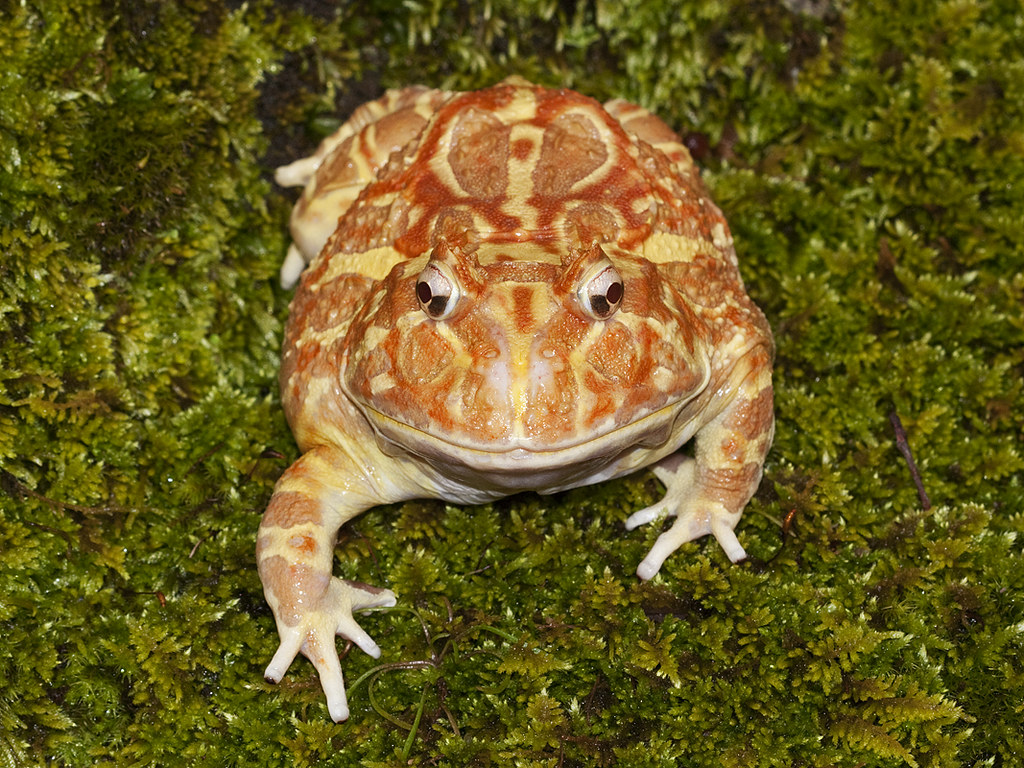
512, 358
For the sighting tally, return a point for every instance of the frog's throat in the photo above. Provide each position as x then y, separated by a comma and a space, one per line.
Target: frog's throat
523, 463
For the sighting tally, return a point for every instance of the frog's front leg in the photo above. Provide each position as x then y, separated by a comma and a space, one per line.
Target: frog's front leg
707, 493
294, 552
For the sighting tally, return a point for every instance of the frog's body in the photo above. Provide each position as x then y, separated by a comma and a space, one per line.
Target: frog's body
510, 289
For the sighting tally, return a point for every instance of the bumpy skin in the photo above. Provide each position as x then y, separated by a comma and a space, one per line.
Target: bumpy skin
509, 289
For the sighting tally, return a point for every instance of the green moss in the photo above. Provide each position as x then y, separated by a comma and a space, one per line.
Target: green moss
871, 162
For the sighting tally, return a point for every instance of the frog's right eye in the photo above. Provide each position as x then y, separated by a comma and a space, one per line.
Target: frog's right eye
437, 290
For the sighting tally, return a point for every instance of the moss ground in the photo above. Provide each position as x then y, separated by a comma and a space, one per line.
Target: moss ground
870, 158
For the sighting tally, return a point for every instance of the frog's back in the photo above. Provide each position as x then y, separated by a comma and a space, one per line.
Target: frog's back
514, 163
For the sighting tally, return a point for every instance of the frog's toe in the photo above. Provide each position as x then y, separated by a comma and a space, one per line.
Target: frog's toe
686, 528
647, 515
324, 655
676, 471
292, 267
722, 529
360, 597
291, 644
297, 173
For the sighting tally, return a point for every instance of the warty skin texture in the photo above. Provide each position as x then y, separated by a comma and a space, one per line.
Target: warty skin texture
509, 289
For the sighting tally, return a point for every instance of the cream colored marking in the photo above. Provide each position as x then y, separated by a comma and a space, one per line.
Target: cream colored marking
577, 363
415, 214
734, 348
462, 360
520, 173
439, 165
385, 200
325, 337
375, 264
527, 250
642, 205
662, 378
578, 356
381, 383
423, 107
375, 336
720, 237
664, 247
315, 467
522, 107
358, 157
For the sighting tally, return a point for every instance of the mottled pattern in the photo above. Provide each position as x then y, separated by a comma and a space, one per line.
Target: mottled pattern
508, 289
515, 165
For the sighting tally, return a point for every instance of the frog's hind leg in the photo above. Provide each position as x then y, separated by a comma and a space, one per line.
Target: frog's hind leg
344, 163
706, 494
299, 172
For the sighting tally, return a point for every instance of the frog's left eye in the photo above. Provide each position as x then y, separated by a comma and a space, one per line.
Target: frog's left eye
437, 290
602, 291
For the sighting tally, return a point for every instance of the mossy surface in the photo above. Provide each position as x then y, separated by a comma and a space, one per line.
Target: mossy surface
870, 158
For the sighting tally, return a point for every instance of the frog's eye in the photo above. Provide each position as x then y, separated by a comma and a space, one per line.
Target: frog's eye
601, 292
437, 291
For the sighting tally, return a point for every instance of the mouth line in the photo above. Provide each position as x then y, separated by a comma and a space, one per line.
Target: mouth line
651, 430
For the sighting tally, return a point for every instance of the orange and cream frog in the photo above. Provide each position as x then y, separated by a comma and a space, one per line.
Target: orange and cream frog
509, 289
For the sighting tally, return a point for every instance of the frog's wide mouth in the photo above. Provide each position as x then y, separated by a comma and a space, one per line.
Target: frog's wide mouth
529, 463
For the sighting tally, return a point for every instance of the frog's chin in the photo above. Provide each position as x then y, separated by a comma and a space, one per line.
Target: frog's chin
509, 466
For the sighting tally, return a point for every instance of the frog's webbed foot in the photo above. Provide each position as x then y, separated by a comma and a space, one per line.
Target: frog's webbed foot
696, 515
314, 637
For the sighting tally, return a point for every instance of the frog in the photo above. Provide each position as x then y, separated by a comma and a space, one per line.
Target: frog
511, 289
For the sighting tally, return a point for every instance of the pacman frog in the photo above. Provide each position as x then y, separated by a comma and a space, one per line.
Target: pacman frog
509, 289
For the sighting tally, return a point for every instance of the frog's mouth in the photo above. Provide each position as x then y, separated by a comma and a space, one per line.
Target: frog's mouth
517, 464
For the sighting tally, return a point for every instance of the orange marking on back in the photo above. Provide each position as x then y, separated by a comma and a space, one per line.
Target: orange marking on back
521, 149
522, 308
